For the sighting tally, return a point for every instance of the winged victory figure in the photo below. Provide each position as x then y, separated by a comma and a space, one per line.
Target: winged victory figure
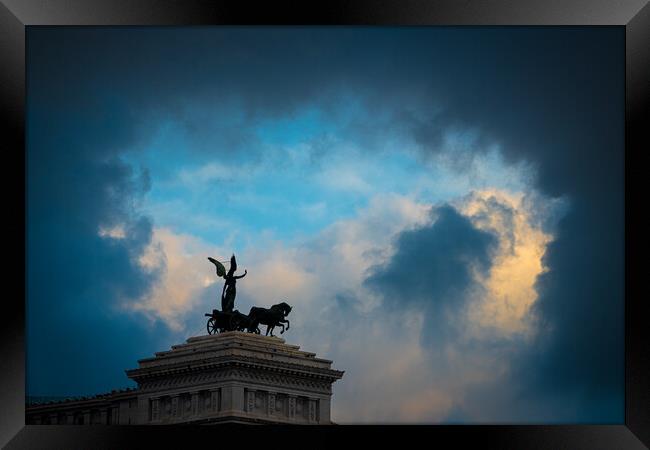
229, 288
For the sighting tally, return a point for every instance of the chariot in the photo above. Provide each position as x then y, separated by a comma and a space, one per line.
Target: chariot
220, 321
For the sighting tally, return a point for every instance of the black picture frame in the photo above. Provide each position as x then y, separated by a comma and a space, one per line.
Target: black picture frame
634, 15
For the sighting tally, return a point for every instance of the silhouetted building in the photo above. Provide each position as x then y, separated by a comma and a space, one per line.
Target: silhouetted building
227, 377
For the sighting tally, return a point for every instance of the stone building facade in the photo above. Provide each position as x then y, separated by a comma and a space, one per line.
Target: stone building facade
229, 377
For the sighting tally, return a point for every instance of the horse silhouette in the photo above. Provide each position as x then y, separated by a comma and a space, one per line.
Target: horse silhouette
271, 317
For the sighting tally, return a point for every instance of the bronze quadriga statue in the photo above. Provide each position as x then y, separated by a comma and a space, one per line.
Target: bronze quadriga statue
232, 320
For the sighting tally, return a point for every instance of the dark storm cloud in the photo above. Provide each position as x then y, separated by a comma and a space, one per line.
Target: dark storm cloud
432, 270
216, 82
552, 97
77, 341
581, 312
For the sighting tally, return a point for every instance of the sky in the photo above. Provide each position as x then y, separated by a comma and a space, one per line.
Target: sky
442, 207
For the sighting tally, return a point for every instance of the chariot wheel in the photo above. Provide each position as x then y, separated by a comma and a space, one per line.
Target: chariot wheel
212, 327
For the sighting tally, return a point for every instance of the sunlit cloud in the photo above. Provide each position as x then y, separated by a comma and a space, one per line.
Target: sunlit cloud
183, 258
510, 284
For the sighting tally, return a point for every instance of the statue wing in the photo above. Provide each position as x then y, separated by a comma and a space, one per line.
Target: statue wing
221, 270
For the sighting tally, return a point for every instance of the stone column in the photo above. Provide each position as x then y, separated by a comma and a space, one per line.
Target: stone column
37, 420
270, 404
155, 409
312, 410
103, 416
184, 401
115, 415
174, 411
291, 409
69, 418
195, 403
141, 414
54, 419
250, 400
226, 398
86, 414
124, 413
237, 398
214, 400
